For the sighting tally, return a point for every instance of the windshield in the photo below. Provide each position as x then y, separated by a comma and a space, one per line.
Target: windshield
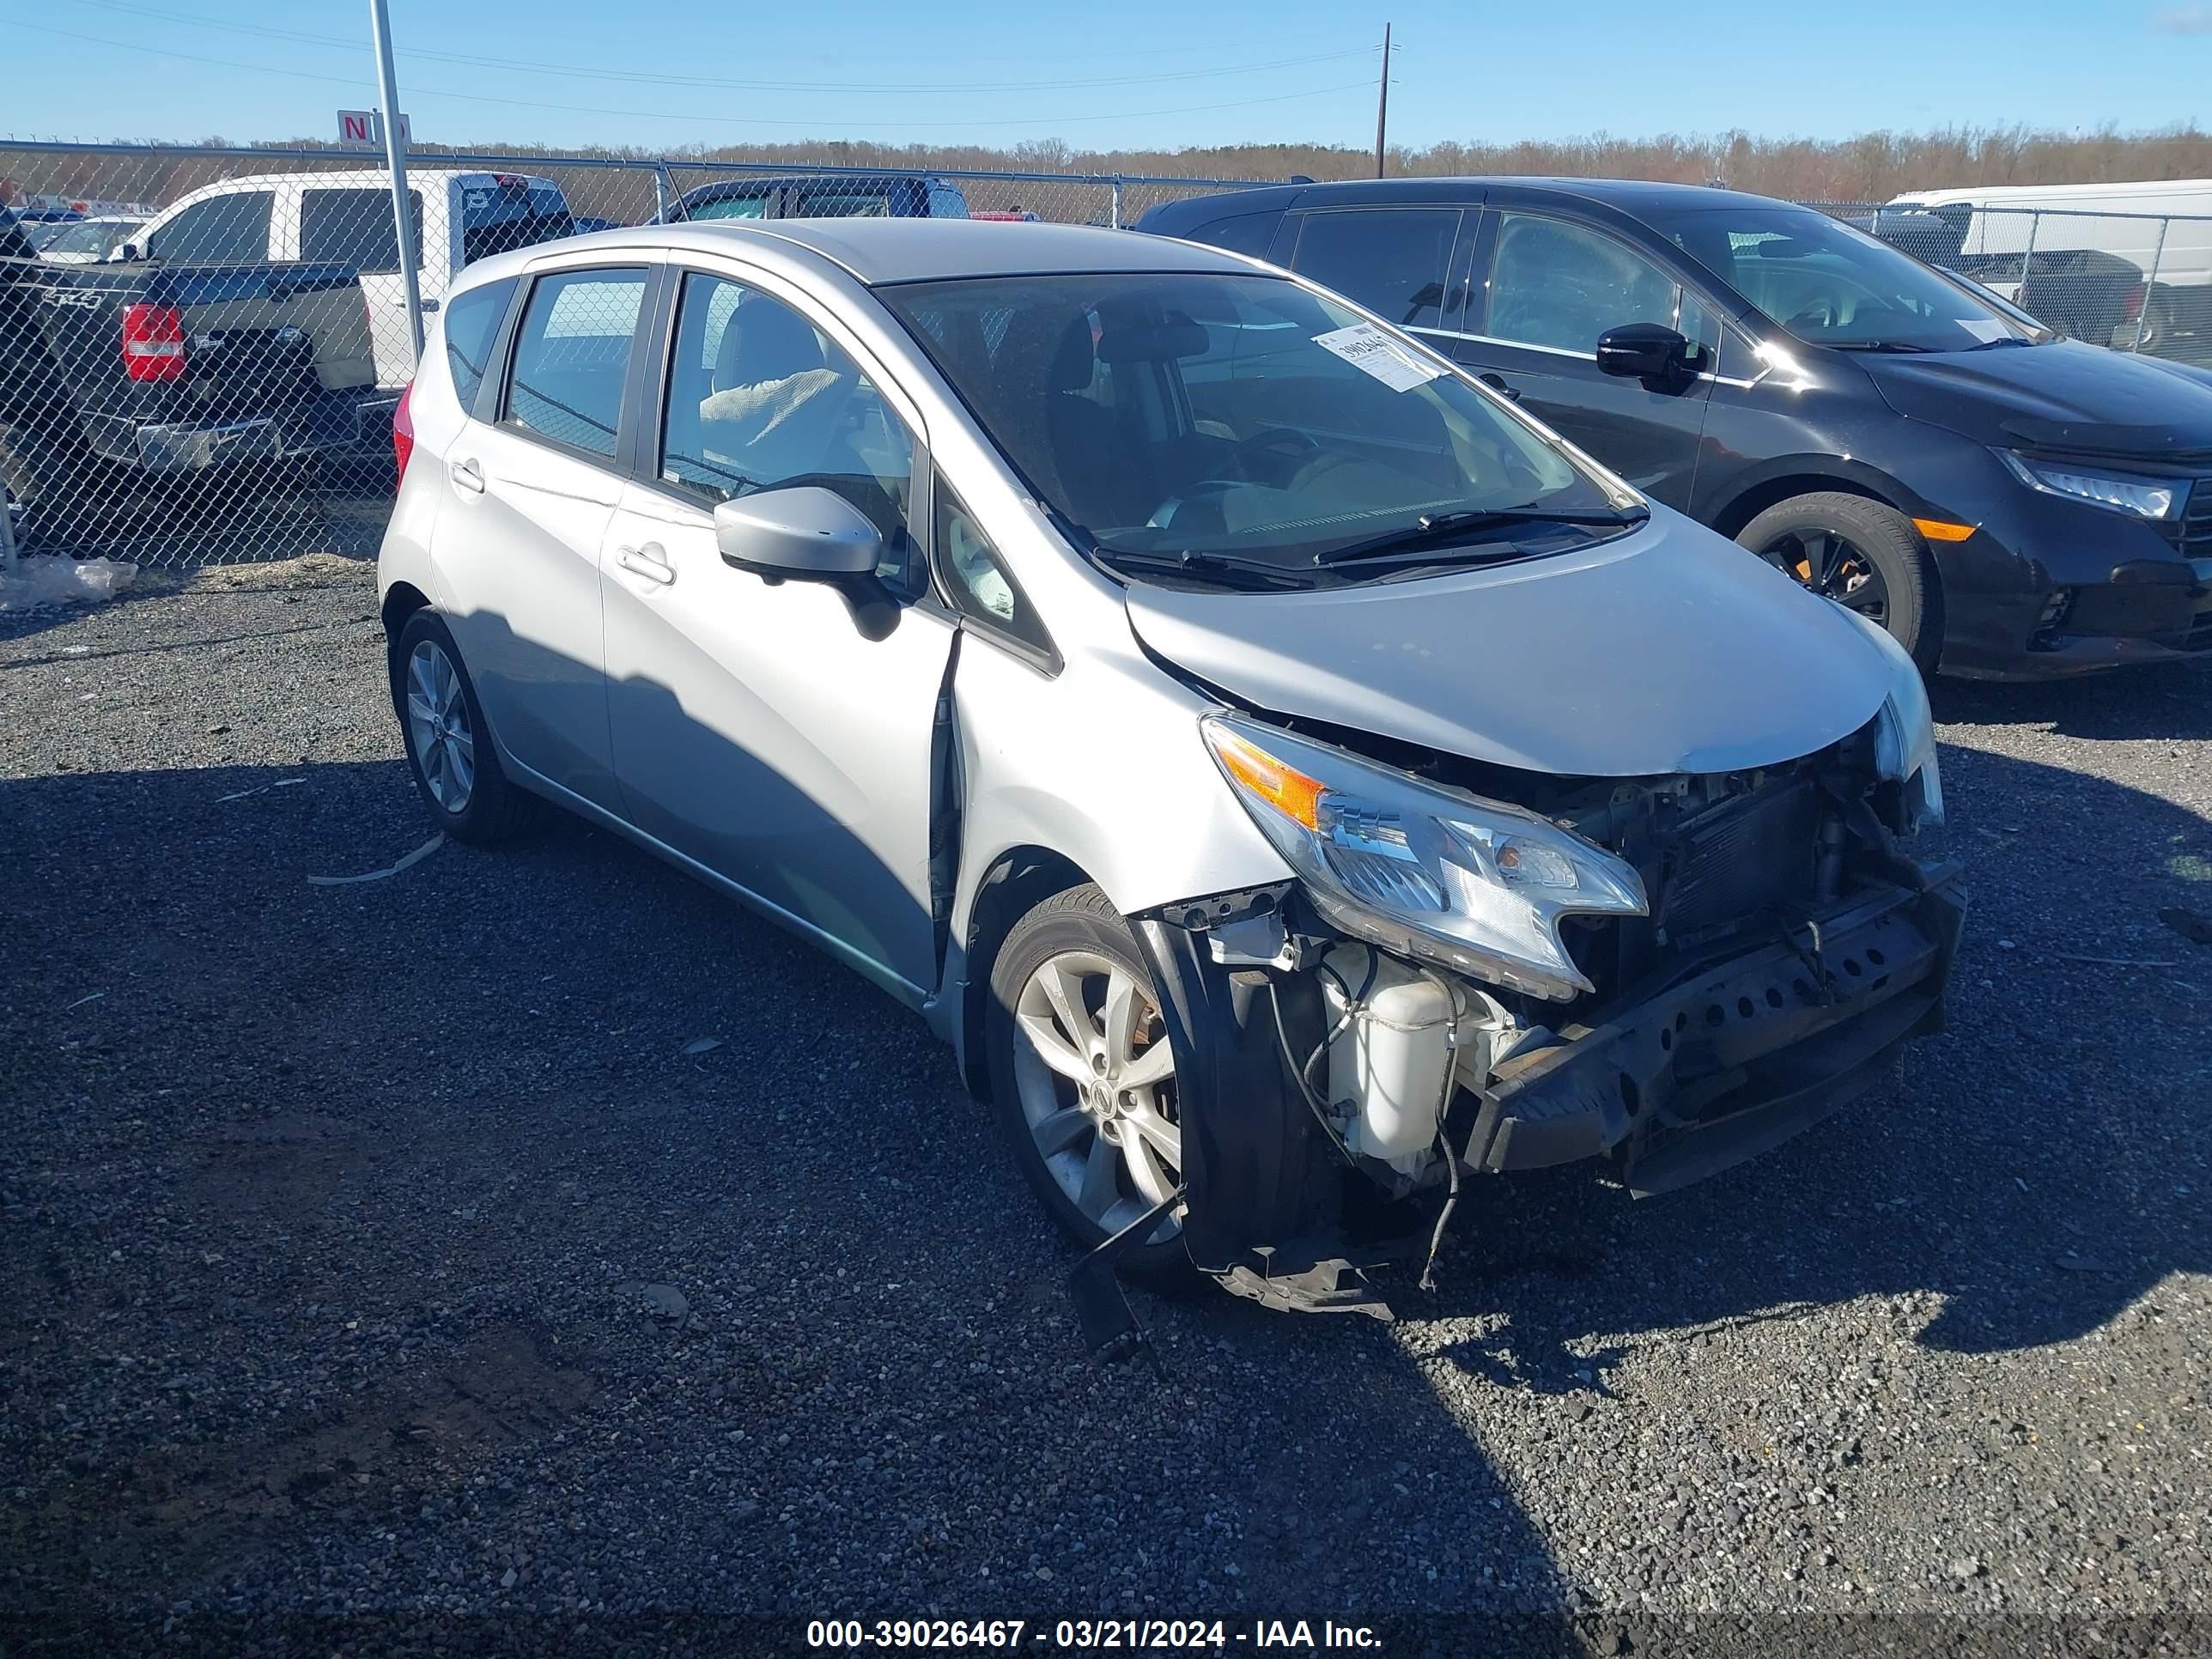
1830, 285
1232, 417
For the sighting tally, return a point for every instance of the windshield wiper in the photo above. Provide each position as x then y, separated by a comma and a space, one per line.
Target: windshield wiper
1201, 567
1440, 526
1877, 345
2002, 340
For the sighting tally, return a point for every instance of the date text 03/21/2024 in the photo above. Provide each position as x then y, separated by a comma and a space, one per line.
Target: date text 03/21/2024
1202, 1635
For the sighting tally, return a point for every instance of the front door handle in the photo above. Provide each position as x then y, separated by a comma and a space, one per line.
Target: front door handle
648, 562
1496, 382
467, 476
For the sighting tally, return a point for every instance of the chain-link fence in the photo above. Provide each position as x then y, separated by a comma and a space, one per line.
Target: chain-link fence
2135, 282
201, 347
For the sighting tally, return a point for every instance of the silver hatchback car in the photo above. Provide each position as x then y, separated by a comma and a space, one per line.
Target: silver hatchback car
1287, 774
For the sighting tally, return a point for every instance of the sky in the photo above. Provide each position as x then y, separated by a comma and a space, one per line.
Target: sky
1141, 73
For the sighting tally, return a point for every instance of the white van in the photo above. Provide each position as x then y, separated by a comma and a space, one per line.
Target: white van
2124, 265
345, 218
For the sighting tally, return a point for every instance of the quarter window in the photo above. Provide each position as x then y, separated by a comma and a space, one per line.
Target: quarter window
223, 230
472, 319
1394, 261
976, 576
1560, 285
758, 398
573, 354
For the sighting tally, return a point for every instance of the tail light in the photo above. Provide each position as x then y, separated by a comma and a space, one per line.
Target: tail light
153, 343
403, 430
2131, 307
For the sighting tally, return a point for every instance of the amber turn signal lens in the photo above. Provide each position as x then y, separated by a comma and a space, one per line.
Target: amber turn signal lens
1286, 788
1943, 530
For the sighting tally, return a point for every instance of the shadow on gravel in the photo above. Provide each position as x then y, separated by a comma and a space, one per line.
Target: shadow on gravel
2033, 1172
2169, 701
331, 1213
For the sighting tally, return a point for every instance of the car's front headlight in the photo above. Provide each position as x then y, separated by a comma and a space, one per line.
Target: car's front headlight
2122, 492
1422, 871
1904, 731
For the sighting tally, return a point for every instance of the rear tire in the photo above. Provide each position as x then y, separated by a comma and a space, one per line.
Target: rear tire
1863, 554
1082, 1078
449, 747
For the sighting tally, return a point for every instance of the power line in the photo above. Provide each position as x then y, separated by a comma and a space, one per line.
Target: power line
142, 49
657, 78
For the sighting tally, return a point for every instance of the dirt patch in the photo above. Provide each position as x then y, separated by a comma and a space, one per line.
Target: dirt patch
190, 1508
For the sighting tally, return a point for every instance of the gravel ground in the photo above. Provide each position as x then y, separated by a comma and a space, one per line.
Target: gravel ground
394, 1249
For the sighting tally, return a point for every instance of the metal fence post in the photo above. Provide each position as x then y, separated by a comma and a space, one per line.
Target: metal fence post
1116, 221
2150, 284
660, 193
2027, 258
395, 159
7, 536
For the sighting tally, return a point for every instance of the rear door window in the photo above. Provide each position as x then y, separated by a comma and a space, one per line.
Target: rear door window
354, 228
1561, 285
1392, 260
223, 230
572, 357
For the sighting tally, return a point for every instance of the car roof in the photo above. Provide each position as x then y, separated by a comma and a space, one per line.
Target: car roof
883, 251
354, 176
1629, 196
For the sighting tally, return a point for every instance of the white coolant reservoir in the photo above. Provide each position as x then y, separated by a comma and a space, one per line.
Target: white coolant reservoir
1392, 1060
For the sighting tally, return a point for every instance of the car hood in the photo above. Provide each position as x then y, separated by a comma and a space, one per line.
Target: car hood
1669, 650
2065, 396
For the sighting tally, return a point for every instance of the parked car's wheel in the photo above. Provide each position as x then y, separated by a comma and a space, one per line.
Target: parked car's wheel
1860, 553
1082, 1080
449, 749
2158, 326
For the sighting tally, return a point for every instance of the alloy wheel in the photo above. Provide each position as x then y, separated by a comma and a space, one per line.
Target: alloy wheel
1097, 1083
438, 727
1833, 567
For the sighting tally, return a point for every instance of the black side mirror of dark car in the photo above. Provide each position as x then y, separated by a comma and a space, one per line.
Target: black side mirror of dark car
1646, 351
1496, 382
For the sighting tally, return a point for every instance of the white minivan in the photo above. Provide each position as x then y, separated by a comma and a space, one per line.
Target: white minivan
345, 218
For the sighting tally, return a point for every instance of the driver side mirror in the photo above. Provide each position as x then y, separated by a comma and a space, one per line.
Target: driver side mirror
1647, 351
810, 534
128, 253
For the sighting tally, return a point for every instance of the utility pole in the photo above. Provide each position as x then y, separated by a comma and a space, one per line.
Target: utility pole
395, 158
1382, 101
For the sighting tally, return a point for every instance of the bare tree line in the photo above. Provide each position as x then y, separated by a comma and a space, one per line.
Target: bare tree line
1872, 167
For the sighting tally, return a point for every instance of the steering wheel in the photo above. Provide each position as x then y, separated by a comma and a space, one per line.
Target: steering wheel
1823, 315
1293, 448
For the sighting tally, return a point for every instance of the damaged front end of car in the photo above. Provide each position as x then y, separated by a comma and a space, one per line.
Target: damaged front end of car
1481, 969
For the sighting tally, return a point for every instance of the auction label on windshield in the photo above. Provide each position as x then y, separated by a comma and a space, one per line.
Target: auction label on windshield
1367, 347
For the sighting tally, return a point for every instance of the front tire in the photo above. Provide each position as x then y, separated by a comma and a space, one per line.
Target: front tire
1083, 1077
1863, 554
449, 747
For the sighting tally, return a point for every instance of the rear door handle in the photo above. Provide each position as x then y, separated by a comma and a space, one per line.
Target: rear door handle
467, 476
648, 562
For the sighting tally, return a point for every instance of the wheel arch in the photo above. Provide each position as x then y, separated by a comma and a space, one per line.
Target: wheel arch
401, 601
1017, 880
1805, 477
